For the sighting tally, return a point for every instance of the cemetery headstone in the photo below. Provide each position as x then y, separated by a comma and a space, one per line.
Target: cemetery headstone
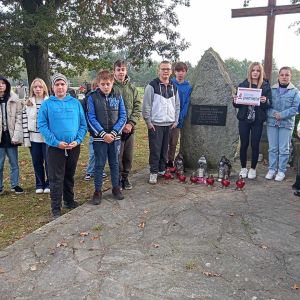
211, 125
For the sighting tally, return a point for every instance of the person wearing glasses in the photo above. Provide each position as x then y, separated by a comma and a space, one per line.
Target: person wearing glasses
161, 108
280, 123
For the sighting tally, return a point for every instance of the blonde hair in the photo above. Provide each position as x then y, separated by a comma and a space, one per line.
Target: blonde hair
94, 84
261, 77
31, 94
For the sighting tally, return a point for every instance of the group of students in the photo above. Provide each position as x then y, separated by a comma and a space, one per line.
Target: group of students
54, 127
278, 107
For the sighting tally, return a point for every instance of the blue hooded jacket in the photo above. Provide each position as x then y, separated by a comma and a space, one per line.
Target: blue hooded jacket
62, 121
184, 91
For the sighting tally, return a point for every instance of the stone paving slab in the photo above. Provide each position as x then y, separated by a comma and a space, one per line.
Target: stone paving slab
193, 231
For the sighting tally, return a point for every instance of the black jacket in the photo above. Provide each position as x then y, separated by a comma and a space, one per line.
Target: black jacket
105, 114
260, 111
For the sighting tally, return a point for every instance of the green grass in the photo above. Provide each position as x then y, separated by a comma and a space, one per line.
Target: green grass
190, 265
22, 214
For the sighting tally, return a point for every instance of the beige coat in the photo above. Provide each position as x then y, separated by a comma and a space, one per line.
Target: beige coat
14, 119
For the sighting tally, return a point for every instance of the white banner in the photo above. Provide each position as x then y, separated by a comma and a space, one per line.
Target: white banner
248, 96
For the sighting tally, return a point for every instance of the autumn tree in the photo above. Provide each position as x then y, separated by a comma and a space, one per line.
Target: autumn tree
70, 36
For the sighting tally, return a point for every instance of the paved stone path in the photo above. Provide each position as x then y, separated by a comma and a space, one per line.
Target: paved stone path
188, 230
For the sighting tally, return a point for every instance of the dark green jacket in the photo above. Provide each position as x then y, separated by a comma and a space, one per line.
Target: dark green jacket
132, 101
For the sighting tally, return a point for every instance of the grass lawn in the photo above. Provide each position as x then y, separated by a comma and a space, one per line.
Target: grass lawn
22, 214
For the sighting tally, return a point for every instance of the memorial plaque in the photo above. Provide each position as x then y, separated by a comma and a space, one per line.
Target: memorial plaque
211, 115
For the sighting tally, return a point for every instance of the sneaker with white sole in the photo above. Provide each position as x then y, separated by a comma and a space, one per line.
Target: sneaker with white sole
161, 174
46, 191
39, 191
270, 175
244, 173
153, 178
280, 176
17, 190
252, 174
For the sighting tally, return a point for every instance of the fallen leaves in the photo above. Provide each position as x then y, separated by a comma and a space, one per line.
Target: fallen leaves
33, 268
142, 225
95, 237
232, 214
84, 233
1, 271
84, 164
208, 274
61, 244
295, 286
156, 246
145, 211
263, 247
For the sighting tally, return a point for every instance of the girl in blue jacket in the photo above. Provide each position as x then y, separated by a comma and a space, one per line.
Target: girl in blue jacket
280, 122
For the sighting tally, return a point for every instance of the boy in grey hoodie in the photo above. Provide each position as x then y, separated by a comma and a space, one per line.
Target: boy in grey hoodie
161, 108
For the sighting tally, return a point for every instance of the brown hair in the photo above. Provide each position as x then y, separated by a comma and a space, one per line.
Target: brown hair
104, 75
181, 66
31, 94
261, 77
286, 68
120, 63
164, 62
94, 84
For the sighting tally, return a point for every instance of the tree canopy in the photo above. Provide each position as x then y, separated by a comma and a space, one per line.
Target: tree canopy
70, 36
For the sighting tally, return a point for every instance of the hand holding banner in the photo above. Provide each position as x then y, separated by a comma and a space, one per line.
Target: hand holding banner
248, 96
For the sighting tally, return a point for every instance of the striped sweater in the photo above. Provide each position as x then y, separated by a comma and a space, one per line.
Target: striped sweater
30, 130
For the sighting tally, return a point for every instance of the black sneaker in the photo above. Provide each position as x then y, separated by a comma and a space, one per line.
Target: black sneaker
104, 175
72, 205
17, 190
87, 177
97, 198
55, 215
117, 193
1, 192
121, 184
126, 184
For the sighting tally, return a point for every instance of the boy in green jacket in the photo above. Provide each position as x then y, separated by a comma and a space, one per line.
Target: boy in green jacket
133, 107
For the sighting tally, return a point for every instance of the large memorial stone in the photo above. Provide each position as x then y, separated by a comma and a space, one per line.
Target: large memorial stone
211, 104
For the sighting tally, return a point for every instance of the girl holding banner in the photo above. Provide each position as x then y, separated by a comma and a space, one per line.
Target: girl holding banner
280, 123
252, 117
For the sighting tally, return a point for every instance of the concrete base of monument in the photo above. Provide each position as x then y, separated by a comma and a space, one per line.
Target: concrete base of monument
165, 241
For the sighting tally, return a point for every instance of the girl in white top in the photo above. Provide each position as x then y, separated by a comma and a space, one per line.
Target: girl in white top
33, 139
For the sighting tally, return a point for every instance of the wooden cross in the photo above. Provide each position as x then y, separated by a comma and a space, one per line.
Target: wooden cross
271, 11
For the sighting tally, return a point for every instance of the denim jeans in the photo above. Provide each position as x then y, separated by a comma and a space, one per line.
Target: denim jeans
102, 152
12, 154
39, 157
91, 165
279, 142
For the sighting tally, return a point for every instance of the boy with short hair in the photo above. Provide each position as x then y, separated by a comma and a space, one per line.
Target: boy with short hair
133, 106
161, 108
184, 91
106, 116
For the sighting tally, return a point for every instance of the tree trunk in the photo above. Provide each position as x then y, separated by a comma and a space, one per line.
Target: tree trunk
37, 64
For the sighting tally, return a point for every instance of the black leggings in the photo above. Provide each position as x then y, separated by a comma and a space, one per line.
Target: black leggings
256, 131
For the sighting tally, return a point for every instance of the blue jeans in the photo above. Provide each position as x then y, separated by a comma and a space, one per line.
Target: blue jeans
12, 154
102, 152
38, 154
91, 165
279, 142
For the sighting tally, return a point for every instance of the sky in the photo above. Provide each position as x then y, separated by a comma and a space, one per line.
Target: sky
208, 23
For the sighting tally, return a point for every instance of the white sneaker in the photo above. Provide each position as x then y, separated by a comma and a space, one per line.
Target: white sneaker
161, 174
46, 191
39, 191
270, 175
280, 176
244, 172
252, 174
153, 178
